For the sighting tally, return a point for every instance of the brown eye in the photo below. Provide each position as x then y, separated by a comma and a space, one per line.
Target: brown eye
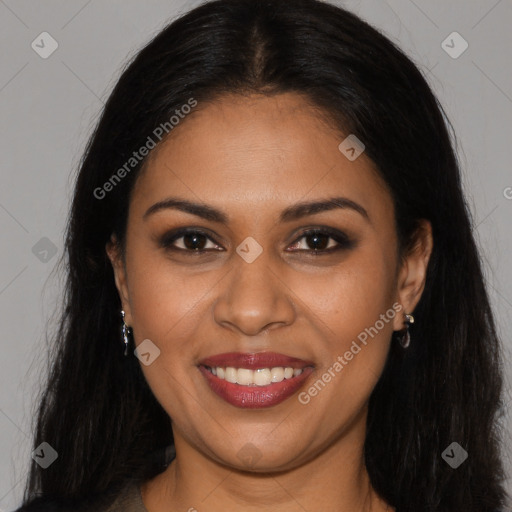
193, 240
318, 241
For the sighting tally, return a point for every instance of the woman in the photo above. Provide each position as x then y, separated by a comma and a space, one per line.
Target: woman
274, 300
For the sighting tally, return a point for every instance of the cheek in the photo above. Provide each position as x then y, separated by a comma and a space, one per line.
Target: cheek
352, 310
167, 309
352, 296
167, 303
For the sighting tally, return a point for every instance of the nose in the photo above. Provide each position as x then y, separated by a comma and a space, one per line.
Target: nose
254, 298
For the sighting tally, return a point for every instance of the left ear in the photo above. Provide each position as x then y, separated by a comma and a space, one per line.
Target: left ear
413, 272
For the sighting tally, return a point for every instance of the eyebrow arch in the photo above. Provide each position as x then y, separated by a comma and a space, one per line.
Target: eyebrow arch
289, 214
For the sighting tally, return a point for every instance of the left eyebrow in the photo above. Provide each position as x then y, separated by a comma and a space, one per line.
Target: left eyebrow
300, 210
289, 214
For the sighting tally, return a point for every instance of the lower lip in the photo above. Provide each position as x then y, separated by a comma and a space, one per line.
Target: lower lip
255, 397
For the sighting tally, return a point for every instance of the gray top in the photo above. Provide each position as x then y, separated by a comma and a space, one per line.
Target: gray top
129, 500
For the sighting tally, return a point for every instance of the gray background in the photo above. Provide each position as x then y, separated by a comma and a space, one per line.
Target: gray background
49, 107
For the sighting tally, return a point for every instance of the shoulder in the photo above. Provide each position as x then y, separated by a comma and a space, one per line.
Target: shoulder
128, 499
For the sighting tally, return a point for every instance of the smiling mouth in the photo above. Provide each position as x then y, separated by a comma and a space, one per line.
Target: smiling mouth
257, 377
254, 380
254, 389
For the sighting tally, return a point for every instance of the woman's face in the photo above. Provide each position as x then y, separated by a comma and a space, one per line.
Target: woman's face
258, 287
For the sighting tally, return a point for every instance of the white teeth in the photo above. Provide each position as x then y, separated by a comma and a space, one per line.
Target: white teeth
231, 375
259, 377
278, 374
244, 376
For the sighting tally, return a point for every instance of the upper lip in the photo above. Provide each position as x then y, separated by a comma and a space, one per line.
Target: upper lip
253, 361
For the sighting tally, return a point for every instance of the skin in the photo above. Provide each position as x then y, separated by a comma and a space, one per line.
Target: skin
252, 157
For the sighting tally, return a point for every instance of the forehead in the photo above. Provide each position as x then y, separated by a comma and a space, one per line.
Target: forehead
240, 153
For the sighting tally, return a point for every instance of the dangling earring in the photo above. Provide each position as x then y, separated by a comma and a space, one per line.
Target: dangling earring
405, 339
126, 340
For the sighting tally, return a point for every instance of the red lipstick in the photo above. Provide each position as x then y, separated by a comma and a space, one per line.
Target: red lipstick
253, 361
255, 396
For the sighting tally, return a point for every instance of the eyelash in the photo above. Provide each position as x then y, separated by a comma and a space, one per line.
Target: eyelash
343, 241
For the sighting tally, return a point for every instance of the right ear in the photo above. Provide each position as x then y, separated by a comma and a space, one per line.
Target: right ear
113, 251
